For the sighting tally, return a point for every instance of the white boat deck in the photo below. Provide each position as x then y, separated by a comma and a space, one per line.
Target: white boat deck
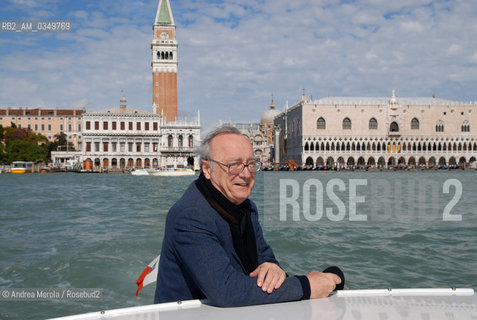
423, 304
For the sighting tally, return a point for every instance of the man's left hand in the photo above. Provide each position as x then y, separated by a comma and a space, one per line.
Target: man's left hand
269, 276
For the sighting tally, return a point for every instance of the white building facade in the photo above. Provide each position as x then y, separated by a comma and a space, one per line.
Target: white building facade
126, 138
379, 132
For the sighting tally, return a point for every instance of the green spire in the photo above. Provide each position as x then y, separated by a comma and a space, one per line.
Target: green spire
164, 17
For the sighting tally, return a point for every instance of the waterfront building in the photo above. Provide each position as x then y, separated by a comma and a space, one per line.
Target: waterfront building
48, 122
126, 138
378, 132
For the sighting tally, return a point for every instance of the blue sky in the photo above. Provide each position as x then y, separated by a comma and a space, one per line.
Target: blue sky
234, 54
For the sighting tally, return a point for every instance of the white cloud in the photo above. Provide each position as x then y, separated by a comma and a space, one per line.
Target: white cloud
412, 26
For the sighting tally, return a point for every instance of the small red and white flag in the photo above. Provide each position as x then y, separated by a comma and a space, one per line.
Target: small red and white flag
149, 275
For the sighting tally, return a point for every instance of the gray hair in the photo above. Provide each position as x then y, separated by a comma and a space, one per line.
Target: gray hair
204, 149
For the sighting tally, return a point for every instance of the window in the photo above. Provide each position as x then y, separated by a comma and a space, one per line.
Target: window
96, 146
88, 146
138, 146
79, 127
113, 146
191, 141
123, 125
69, 127
154, 126
146, 126
465, 126
320, 124
394, 127
180, 141
36, 127
373, 124
130, 147
414, 124
440, 126
105, 125
96, 125
346, 124
130, 125
88, 125
122, 146
49, 127
61, 127
42, 127
169, 141
113, 125
154, 147
138, 126
105, 146
146, 147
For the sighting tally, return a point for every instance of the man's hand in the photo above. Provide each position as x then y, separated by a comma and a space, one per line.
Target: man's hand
322, 284
269, 276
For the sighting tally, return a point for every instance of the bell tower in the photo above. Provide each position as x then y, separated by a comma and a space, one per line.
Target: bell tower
164, 63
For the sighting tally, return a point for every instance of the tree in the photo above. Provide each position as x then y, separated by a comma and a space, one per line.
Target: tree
20, 150
20, 144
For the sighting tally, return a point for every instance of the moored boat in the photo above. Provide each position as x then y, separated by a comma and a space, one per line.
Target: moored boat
174, 172
142, 172
21, 167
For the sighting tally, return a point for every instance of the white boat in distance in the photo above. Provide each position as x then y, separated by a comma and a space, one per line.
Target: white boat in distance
21, 167
142, 172
164, 172
346, 304
174, 172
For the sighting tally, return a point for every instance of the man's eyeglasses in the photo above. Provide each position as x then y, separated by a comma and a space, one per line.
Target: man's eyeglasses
238, 167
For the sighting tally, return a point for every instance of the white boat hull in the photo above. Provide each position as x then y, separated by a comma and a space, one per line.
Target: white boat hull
174, 173
348, 304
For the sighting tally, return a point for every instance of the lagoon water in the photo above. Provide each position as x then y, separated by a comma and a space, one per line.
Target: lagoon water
384, 229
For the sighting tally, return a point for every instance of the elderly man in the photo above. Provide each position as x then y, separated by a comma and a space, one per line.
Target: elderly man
213, 244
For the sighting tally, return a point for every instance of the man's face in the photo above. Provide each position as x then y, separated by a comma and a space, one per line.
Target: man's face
230, 148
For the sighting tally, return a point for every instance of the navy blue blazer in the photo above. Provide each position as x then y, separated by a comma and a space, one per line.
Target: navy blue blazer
198, 260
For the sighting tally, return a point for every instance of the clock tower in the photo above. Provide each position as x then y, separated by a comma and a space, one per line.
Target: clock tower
164, 63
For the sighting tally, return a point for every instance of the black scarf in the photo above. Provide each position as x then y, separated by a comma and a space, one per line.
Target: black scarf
238, 218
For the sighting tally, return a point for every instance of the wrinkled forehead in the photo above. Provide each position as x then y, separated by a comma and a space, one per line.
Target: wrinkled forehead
230, 147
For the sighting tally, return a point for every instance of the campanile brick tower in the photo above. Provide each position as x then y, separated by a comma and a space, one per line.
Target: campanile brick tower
164, 63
